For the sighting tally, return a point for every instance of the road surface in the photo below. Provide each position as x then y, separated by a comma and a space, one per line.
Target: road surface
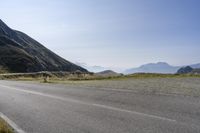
56, 108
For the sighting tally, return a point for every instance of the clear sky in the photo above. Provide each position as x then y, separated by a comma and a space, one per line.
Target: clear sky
111, 33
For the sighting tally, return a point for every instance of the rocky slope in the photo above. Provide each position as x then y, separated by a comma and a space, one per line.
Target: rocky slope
21, 53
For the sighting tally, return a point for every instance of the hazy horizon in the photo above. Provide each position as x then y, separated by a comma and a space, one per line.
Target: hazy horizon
114, 34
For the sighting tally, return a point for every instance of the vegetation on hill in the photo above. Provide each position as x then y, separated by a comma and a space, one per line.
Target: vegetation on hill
75, 76
21, 53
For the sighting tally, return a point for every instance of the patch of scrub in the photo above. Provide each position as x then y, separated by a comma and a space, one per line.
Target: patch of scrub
4, 127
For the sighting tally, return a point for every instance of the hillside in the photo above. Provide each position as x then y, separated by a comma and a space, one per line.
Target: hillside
188, 70
185, 70
21, 53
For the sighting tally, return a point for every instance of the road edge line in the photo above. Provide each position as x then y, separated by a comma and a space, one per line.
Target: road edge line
16, 128
90, 104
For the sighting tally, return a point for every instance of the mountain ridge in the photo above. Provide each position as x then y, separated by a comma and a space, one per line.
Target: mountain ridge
159, 67
21, 53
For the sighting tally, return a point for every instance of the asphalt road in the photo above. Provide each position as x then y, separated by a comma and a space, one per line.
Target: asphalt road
50, 108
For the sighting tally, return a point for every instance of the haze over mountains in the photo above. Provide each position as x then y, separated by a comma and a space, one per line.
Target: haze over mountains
92, 68
160, 67
108, 73
21, 53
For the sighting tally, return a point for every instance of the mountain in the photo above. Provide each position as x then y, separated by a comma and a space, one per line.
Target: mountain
195, 65
160, 67
108, 73
188, 70
92, 68
21, 53
185, 70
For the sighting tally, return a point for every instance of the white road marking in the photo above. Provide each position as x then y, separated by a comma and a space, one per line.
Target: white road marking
11, 123
89, 104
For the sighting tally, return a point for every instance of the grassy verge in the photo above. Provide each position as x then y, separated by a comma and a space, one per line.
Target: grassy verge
4, 127
179, 84
74, 77
118, 78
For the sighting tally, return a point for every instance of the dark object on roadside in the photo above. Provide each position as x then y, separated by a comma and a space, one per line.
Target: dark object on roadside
20, 53
46, 76
185, 70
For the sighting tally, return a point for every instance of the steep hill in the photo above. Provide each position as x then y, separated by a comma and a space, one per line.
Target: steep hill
21, 53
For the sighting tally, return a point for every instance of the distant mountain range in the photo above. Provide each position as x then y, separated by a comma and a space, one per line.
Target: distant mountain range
21, 53
95, 69
108, 73
160, 67
195, 65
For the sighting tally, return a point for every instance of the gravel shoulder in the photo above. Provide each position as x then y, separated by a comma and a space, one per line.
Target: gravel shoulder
186, 86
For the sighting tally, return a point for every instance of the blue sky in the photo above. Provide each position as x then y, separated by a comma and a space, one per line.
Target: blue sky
111, 33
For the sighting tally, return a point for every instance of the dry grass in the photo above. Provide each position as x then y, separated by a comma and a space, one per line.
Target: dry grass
4, 127
188, 86
63, 76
